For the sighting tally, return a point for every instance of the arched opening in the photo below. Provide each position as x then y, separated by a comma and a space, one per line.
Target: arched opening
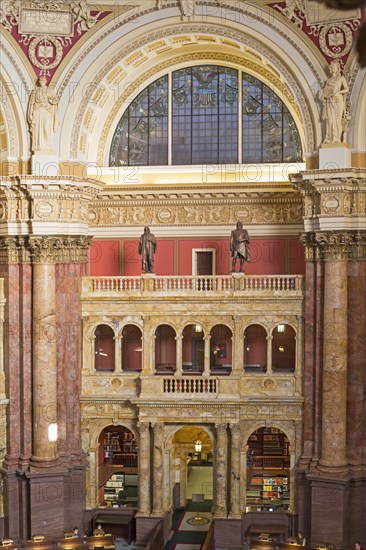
255, 349
165, 350
117, 462
131, 349
220, 350
104, 348
193, 349
268, 470
283, 349
193, 459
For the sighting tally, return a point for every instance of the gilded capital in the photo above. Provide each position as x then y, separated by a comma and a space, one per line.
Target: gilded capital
59, 249
14, 250
335, 245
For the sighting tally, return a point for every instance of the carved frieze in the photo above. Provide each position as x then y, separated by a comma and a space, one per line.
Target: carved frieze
199, 211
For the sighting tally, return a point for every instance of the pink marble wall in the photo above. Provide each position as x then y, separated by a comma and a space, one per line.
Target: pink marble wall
68, 285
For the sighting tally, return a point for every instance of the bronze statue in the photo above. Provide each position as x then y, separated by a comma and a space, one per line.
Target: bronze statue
239, 245
147, 249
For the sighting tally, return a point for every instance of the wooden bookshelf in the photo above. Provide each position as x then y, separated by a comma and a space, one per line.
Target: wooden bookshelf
268, 470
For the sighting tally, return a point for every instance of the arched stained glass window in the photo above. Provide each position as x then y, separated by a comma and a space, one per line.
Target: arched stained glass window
211, 107
269, 131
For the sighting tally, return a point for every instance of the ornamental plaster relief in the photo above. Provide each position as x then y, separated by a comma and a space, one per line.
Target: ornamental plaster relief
214, 211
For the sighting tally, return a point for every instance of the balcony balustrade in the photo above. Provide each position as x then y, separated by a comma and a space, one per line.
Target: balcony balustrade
150, 284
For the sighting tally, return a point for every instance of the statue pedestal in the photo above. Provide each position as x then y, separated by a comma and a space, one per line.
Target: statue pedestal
334, 156
45, 165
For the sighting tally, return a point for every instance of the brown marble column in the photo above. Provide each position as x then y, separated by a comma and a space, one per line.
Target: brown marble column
144, 469
334, 417
235, 509
158, 469
220, 503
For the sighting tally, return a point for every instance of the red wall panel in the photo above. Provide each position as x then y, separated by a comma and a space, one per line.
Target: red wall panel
104, 258
269, 256
163, 260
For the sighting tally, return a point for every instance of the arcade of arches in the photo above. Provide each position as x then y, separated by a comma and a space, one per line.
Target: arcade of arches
185, 117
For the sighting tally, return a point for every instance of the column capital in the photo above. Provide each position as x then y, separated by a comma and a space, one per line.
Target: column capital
335, 245
14, 250
59, 249
235, 428
221, 428
143, 426
158, 427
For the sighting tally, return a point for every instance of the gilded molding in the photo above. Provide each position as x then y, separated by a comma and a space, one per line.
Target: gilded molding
59, 249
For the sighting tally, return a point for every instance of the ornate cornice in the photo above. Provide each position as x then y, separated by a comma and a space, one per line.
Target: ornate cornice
331, 245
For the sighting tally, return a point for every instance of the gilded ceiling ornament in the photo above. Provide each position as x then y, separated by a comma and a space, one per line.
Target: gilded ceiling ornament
47, 28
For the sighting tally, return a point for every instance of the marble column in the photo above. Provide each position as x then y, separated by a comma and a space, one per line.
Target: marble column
44, 361
235, 510
183, 479
118, 343
178, 355
334, 412
269, 354
144, 506
158, 469
207, 356
237, 347
220, 504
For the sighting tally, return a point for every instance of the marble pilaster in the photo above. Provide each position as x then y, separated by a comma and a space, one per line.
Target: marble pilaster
158, 471
144, 506
220, 503
235, 510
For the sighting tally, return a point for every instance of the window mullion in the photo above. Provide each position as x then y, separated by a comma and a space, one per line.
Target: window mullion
170, 118
240, 117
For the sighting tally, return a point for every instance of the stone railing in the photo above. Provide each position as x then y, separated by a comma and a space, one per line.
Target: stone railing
190, 385
150, 284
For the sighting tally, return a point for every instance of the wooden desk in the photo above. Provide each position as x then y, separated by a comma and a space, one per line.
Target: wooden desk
116, 522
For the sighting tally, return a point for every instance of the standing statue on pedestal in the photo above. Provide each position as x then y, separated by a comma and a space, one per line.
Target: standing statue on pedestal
147, 249
42, 116
239, 246
333, 96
